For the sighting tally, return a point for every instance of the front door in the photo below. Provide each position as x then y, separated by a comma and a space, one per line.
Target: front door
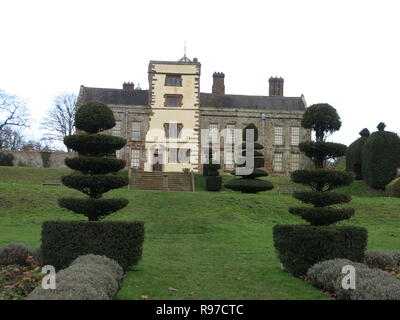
157, 165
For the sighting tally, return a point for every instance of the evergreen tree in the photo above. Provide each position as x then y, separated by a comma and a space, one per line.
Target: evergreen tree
96, 166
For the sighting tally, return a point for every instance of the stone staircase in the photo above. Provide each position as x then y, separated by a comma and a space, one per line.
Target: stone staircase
167, 181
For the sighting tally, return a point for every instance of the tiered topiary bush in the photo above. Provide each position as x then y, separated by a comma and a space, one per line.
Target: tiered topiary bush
353, 154
211, 174
301, 246
249, 183
380, 157
95, 174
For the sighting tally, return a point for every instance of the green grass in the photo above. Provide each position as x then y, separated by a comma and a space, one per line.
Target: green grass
217, 245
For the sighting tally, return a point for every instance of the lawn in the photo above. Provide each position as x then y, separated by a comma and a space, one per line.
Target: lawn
204, 245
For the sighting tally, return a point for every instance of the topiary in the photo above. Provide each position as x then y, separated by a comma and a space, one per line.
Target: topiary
211, 174
380, 158
248, 183
353, 154
95, 163
300, 246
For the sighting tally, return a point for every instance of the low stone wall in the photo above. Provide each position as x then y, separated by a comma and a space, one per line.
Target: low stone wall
36, 159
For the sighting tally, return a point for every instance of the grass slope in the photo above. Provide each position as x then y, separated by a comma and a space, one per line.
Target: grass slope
206, 245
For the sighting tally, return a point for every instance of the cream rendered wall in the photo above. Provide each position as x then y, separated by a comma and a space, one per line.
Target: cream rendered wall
187, 114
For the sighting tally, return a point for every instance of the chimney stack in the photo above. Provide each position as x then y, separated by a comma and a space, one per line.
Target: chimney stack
276, 86
128, 86
218, 83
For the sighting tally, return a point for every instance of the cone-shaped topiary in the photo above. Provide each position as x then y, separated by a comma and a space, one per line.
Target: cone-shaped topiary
380, 157
301, 246
211, 174
353, 154
95, 167
249, 183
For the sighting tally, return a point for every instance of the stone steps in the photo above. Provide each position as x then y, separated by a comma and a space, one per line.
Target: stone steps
167, 181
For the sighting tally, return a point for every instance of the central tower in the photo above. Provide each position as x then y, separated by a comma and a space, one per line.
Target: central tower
172, 142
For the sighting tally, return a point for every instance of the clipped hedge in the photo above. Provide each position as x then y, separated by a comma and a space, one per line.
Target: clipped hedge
301, 246
95, 165
94, 185
353, 154
322, 216
249, 185
380, 158
213, 183
94, 117
322, 179
64, 241
94, 144
89, 277
322, 199
93, 208
320, 151
6, 159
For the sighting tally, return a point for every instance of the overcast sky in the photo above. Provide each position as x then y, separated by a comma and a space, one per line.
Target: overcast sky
345, 53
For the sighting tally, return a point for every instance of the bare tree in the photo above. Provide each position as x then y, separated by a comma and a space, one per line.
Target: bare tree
60, 119
13, 111
11, 139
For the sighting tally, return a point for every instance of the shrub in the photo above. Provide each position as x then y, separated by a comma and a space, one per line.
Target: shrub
322, 118
320, 199
6, 159
323, 179
396, 256
320, 151
46, 159
213, 183
211, 173
371, 284
379, 259
14, 253
380, 157
89, 277
393, 188
94, 117
64, 241
301, 246
94, 164
111, 265
322, 216
248, 183
353, 154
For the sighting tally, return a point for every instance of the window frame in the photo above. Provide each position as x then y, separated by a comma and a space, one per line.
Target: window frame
275, 162
281, 136
139, 131
169, 76
133, 158
296, 141
178, 96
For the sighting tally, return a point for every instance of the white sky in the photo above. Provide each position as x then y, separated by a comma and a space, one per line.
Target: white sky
345, 53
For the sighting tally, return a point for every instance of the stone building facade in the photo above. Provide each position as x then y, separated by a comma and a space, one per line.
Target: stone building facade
165, 121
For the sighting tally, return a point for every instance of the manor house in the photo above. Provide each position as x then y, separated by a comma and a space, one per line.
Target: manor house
167, 119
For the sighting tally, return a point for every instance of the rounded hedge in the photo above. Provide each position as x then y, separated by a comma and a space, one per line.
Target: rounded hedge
93, 209
319, 216
353, 154
322, 199
323, 179
249, 185
380, 158
94, 185
95, 165
94, 117
301, 246
322, 118
94, 144
320, 151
